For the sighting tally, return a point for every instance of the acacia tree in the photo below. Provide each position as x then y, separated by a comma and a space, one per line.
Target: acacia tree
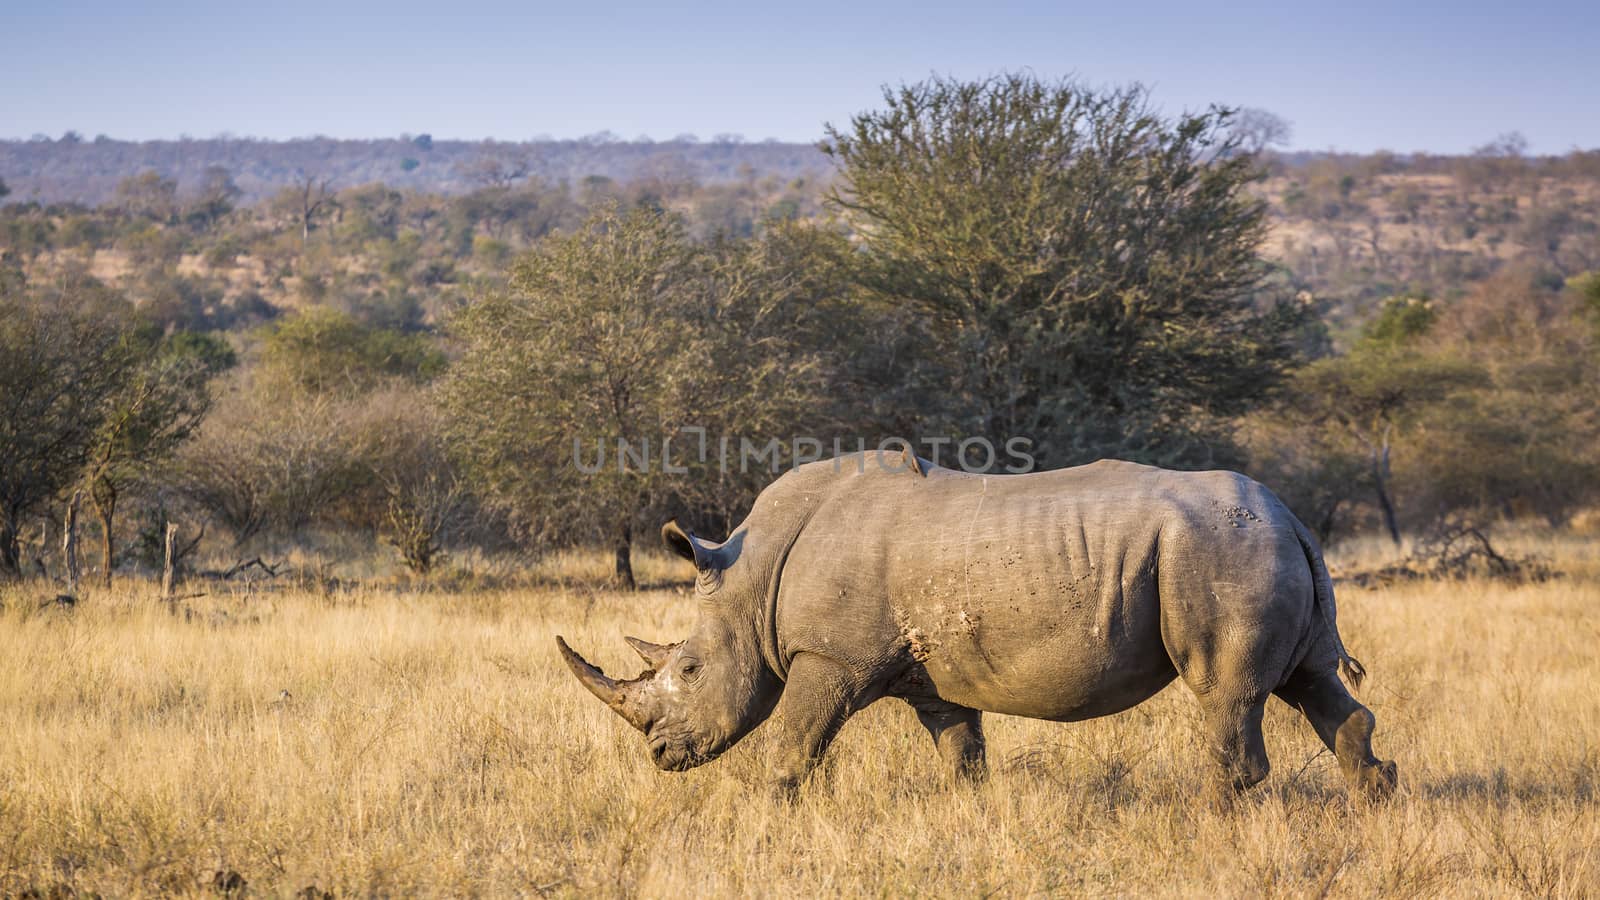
581, 351
60, 357
1086, 268
1376, 394
624, 333
161, 399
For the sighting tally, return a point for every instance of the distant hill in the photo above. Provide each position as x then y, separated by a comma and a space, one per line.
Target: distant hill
1349, 230
68, 170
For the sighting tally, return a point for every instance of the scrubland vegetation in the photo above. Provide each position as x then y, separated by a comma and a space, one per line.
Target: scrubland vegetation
388, 394
390, 740
1391, 342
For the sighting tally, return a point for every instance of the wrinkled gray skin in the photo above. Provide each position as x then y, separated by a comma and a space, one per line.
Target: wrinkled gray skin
1060, 595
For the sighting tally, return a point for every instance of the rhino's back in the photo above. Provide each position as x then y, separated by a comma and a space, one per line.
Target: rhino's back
1034, 595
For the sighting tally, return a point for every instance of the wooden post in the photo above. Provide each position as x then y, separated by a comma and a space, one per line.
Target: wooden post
169, 569
69, 543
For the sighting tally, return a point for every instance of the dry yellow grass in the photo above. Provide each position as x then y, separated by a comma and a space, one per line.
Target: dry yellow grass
394, 742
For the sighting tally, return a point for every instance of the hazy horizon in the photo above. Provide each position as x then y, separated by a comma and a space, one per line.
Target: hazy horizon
1432, 77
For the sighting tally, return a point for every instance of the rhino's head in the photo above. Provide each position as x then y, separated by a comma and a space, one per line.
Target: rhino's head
701, 695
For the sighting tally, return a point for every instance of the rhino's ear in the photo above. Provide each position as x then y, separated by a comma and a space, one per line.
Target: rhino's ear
688, 546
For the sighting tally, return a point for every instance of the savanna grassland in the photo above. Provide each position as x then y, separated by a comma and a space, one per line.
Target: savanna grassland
386, 740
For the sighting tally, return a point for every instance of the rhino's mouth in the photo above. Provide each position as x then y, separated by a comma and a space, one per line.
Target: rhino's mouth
680, 757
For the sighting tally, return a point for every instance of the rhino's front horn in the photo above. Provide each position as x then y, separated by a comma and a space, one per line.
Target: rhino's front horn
654, 654
622, 697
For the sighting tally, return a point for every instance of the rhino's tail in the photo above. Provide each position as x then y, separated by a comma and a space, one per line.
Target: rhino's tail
1322, 588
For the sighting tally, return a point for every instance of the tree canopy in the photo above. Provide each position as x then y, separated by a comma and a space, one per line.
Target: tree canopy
587, 388
1088, 269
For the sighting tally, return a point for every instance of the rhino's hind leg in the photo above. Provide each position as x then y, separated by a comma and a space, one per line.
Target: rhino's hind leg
1233, 700
958, 733
1345, 726
1236, 741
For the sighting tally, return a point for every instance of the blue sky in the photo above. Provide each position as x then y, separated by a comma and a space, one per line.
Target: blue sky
1360, 76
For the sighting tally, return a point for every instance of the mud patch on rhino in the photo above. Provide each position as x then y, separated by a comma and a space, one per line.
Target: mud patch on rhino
918, 642
956, 622
1238, 515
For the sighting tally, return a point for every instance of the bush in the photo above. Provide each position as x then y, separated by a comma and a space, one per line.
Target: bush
325, 351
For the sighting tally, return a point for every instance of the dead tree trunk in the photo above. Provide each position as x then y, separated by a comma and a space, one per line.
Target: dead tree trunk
624, 551
105, 506
1380, 483
169, 565
69, 543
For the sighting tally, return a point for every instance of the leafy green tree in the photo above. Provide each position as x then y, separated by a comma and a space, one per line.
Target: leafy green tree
787, 351
1482, 406
496, 209
1526, 440
585, 348
626, 333
27, 235
1086, 268
161, 399
371, 212
1373, 395
60, 358
1400, 322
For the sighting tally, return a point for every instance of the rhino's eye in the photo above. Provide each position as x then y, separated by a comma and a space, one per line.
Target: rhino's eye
690, 670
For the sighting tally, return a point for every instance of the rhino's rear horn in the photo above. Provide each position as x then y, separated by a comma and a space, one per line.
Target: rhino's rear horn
653, 654
623, 697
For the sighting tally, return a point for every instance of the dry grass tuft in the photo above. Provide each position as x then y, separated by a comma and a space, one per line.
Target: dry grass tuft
393, 741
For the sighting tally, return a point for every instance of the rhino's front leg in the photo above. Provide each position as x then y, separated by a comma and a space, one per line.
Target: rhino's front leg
817, 698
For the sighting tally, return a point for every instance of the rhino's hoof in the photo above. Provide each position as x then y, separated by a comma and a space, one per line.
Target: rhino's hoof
1378, 782
972, 772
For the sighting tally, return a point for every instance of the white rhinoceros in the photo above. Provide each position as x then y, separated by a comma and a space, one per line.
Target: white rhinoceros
1059, 595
